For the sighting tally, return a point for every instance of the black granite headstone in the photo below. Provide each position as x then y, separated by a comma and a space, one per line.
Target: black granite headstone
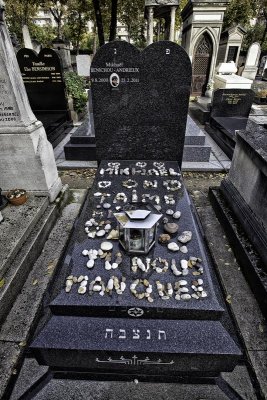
229, 113
140, 101
43, 78
232, 103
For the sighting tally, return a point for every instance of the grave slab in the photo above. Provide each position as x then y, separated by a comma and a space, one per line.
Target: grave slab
124, 328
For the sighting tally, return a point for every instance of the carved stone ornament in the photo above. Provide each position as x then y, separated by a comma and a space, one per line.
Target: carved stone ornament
2, 9
162, 2
135, 312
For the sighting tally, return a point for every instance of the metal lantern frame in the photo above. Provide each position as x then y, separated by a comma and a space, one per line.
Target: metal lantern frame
137, 225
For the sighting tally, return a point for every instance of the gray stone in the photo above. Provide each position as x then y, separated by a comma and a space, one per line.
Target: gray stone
9, 353
19, 320
246, 185
258, 360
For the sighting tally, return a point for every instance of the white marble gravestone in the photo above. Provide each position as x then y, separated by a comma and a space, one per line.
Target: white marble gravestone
83, 64
26, 157
27, 37
252, 61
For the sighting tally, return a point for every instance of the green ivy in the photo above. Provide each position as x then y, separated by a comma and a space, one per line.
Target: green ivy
75, 86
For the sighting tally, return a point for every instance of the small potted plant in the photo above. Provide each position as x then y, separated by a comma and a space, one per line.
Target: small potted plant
17, 196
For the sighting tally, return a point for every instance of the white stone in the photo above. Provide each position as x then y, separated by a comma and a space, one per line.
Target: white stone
101, 233
177, 215
108, 266
85, 252
183, 249
114, 265
169, 212
90, 263
173, 246
97, 288
110, 284
184, 264
185, 296
185, 237
82, 290
106, 246
226, 68
182, 282
231, 82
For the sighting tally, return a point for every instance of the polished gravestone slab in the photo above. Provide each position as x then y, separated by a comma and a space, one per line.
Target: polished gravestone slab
122, 333
229, 113
43, 79
138, 96
82, 143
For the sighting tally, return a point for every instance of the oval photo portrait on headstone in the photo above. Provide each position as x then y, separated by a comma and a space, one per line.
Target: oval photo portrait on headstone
114, 80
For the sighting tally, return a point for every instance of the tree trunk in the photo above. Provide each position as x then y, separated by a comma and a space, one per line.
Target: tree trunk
113, 21
99, 22
265, 30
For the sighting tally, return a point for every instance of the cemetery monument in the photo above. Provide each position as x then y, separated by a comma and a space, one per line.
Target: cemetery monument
26, 157
139, 295
43, 73
241, 202
229, 113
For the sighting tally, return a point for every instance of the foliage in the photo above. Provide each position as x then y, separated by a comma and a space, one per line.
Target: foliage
75, 26
239, 12
75, 86
58, 9
19, 13
254, 34
131, 14
44, 34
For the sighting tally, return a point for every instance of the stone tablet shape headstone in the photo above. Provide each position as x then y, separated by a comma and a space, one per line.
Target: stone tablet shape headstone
43, 78
140, 101
232, 103
252, 61
42, 74
83, 64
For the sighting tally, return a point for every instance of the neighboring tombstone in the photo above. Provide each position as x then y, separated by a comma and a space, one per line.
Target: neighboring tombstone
62, 47
226, 78
229, 113
153, 84
26, 157
43, 78
245, 207
27, 37
252, 61
230, 44
37, 47
83, 62
202, 25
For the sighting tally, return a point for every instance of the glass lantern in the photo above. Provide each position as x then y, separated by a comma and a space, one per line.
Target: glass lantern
137, 225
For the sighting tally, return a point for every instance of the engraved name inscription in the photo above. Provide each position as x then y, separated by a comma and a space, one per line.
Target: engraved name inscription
135, 334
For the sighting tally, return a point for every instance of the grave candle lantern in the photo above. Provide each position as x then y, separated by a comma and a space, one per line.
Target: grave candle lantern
137, 225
